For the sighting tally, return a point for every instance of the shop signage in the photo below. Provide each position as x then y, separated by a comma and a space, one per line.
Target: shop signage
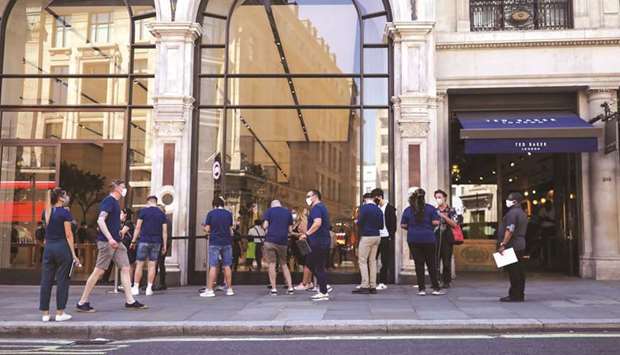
217, 168
537, 145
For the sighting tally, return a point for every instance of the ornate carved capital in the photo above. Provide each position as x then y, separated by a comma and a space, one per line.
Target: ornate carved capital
171, 115
409, 31
175, 31
609, 94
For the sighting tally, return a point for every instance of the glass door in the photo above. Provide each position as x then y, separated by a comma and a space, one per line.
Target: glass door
26, 173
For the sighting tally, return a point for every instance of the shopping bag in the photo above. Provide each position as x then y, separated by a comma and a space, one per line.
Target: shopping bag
250, 253
457, 234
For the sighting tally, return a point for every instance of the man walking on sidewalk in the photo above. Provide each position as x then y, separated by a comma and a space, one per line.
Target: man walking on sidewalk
511, 234
152, 229
279, 224
110, 249
319, 240
390, 224
370, 222
219, 227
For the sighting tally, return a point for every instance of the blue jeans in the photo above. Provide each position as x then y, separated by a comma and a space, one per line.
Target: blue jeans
148, 251
225, 251
57, 260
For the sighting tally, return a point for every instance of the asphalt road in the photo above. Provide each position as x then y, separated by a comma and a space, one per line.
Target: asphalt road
524, 344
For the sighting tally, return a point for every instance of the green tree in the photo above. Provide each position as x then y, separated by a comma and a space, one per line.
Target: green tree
84, 187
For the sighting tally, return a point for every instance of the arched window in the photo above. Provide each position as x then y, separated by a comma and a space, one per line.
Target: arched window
293, 96
75, 110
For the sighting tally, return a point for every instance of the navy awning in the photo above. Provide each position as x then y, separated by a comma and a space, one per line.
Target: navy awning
527, 132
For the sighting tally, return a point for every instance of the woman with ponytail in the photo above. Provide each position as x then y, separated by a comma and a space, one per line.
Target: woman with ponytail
419, 220
59, 254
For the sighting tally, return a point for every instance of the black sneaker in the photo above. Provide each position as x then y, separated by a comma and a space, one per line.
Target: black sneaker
372, 291
85, 307
135, 305
361, 291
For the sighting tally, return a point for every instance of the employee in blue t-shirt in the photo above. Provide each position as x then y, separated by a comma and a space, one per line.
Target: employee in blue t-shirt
419, 220
110, 249
279, 224
320, 240
152, 229
219, 228
58, 256
370, 223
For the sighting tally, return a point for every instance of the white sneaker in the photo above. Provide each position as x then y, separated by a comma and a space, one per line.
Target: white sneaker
149, 291
208, 293
359, 286
438, 293
135, 290
320, 297
63, 317
415, 286
329, 288
382, 287
301, 287
230, 292
422, 293
45, 318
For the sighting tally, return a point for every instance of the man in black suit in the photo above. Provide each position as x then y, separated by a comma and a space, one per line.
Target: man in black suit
386, 246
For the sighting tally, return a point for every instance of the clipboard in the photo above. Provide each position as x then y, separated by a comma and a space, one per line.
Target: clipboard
508, 257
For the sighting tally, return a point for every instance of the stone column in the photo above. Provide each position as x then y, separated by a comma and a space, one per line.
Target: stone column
604, 261
415, 119
173, 108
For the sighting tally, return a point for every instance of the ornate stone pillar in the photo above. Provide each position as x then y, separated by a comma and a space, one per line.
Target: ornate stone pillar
415, 119
604, 261
173, 110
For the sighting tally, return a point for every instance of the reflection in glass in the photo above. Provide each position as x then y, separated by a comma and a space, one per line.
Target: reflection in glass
27, 172
376, 150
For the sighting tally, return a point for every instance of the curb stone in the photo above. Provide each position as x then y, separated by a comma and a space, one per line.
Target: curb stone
145, 329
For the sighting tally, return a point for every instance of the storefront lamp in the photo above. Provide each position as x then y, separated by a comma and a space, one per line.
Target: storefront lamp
533, 192
535, 202
543, 200
612, 127
526, 194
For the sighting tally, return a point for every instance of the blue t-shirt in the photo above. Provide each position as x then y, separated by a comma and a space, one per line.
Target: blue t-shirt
370, 220
113, 220
420, 232
220, 220
321, 238
152, 221
279, 219
55, 229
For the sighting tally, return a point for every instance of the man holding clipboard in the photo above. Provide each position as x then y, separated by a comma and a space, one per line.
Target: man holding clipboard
511, 234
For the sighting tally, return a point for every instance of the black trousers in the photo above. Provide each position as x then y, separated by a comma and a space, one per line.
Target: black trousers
516, 273
444, 257
316, 261
425, 254
385, 253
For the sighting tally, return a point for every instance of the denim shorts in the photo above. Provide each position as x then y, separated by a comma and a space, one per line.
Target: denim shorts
221, 253
148, 251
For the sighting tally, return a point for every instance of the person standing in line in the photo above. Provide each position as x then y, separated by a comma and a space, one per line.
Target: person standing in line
445, 238
319, 240
419, 220
58, 256
279, 223
152, 230
127, 233
387, 236
370, 222
110, 249
219, 227
161, 262
300, 227
511, 234
256, 234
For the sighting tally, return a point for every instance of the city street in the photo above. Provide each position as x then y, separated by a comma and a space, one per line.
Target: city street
474, 344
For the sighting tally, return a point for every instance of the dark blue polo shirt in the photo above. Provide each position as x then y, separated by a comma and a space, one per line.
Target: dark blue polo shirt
370, 220
279, 219
55, 229
420, 232
153, 220
113, 221
220, 220
321, 238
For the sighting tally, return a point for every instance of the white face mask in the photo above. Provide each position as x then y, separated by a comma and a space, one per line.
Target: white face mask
124, 192
509, 203
66, 201
309, 201
440, 201
294, 215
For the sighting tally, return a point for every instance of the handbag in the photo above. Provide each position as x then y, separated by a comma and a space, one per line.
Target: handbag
251, 251
304, 247
457, 234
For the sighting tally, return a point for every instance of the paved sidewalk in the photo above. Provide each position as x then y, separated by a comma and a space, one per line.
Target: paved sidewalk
553, 302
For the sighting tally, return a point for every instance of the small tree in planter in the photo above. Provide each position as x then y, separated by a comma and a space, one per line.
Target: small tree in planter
84, 187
